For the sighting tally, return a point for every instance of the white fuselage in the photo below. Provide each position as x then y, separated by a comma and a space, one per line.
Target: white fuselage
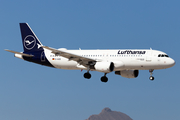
123, 59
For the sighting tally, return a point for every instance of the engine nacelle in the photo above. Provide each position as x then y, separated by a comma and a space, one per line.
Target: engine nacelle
128, 73
105, 67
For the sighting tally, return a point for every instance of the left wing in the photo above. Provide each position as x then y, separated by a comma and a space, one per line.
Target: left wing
71, 56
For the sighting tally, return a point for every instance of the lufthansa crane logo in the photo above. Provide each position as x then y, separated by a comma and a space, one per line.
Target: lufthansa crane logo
29, 42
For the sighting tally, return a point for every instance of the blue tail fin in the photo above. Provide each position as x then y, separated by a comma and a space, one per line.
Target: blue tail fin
30, 42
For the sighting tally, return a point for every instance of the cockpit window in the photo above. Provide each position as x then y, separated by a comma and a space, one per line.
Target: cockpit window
163, 55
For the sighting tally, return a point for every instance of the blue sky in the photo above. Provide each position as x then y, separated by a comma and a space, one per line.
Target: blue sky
34, 92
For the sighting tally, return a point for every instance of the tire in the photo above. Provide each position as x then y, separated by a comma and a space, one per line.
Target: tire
87, 75
151, 78
104, 79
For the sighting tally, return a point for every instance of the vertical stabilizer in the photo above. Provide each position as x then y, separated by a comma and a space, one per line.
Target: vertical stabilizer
29, 39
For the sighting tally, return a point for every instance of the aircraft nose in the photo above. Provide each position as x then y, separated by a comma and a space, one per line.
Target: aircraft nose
171, 62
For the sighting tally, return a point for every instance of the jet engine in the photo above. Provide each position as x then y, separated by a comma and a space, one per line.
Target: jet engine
105, 67
128, 73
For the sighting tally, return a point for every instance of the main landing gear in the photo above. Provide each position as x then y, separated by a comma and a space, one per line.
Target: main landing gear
87, 75
151, 72
104, 78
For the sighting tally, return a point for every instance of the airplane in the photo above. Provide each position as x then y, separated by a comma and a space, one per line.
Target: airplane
124, 62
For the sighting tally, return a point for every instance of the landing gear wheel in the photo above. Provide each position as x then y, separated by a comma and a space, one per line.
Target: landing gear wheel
151, 78
104, 79
151, 72
87, 75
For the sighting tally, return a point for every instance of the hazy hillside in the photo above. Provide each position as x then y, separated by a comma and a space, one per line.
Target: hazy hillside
108, 114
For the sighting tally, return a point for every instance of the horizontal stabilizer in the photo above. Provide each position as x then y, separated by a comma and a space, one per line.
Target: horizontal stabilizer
23, 54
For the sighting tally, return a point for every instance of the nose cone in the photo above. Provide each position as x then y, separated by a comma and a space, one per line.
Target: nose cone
171, 62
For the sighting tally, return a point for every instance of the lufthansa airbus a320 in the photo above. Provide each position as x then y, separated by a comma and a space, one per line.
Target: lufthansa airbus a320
126, 63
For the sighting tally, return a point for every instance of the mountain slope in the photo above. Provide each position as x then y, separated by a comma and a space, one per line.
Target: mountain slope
108, 114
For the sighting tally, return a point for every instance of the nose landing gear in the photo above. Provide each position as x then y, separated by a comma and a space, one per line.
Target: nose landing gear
151, 72
151, 78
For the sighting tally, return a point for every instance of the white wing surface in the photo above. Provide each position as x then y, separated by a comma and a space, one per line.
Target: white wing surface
71, 56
